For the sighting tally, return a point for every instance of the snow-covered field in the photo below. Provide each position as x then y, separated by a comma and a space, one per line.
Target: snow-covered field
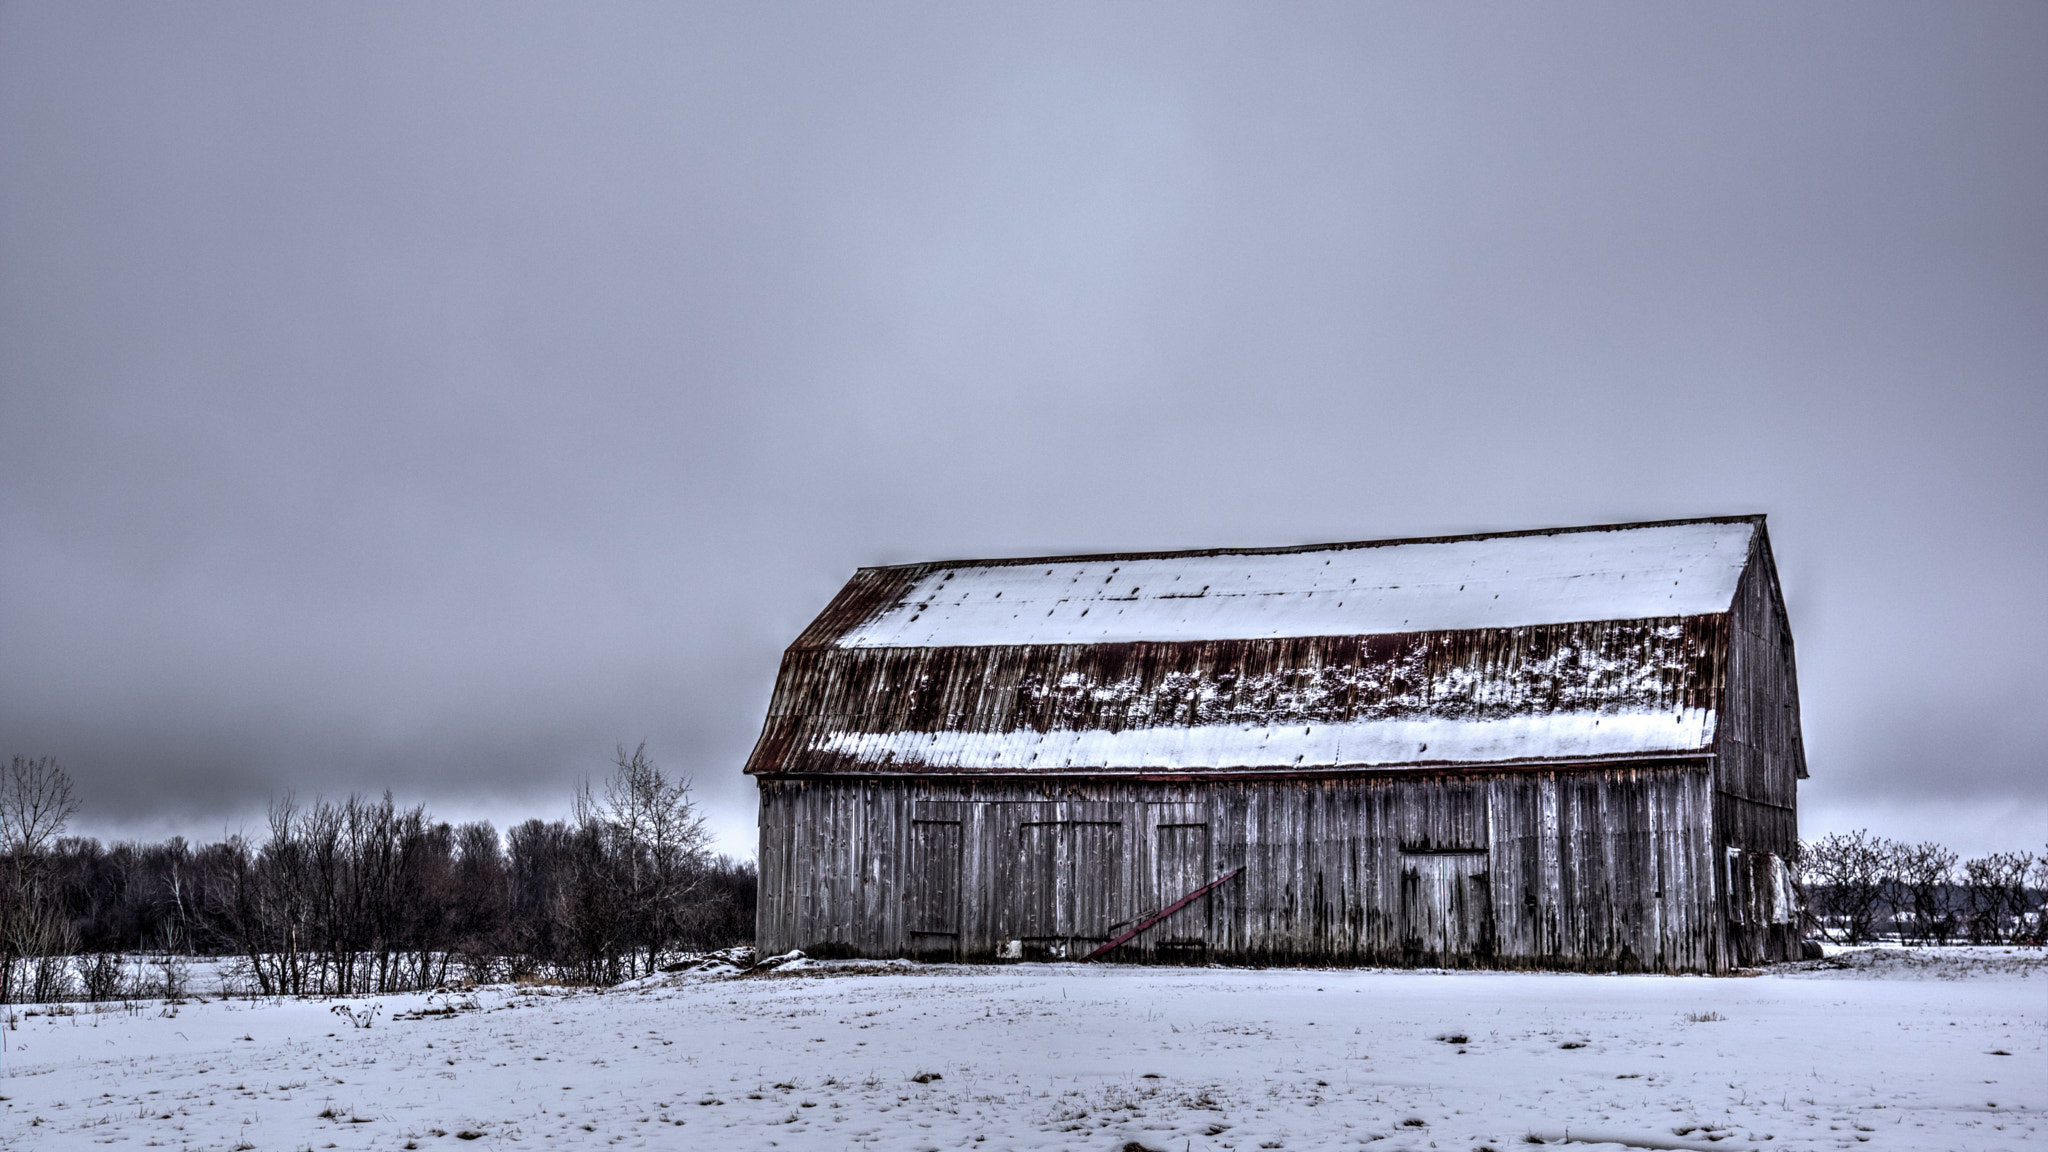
1891, 1049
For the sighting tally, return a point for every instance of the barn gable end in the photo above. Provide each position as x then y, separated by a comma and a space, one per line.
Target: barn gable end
1760, 757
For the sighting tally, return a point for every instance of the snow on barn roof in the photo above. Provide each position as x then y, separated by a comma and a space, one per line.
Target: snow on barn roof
1567, 645
1508, 581
1231, 747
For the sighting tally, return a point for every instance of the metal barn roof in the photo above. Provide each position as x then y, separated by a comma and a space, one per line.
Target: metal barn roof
1621, 573
1561, 645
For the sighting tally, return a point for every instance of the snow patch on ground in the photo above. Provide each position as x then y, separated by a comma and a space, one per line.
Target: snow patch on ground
1876, 1048
1893, 962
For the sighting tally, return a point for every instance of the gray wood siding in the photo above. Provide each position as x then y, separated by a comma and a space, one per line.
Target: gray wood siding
1761, 757
1594, 869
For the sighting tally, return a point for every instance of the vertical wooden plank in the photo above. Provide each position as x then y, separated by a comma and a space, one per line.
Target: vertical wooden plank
1037, 881
773, 875
935, 850
1446, 909
1095, 874
1181, 865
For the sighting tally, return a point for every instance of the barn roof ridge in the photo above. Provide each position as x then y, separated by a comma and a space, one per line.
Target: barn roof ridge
1756, 518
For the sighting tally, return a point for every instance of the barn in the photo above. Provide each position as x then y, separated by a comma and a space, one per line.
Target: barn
1574, 748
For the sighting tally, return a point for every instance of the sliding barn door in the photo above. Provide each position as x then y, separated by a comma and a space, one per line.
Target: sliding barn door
1061, 889
1094, 880
1180, 865
934, 898
1446, 893
1446, 908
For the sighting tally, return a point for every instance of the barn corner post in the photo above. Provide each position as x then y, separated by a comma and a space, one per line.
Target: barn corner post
774, 879
1564, 748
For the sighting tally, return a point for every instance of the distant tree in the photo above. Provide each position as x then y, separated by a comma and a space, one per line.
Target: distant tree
232, 909
655, 841
479, 900
35, 804
289, 894
1925, 875
724, 910
2037, 900
35, 935
1997, 905
358, 895
538, 881
1847, 877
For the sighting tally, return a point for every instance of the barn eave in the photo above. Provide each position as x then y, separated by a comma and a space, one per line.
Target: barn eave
1273, 772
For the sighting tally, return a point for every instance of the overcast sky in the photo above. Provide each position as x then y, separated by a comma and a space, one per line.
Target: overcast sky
430, 397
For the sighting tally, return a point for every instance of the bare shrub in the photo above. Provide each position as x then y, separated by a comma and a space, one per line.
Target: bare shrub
1846, 876
100, 975
1998, 908
361, 895
1925, 879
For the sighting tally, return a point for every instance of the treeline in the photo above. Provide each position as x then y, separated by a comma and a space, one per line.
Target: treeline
363, 895
1861, 888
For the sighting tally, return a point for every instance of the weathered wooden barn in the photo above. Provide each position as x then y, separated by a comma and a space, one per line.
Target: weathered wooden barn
1573, 748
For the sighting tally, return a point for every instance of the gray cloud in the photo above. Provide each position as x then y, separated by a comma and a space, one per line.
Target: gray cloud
428, 399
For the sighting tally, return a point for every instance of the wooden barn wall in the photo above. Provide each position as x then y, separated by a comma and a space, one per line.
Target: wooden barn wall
1592, 869
1761, 758
1626, 665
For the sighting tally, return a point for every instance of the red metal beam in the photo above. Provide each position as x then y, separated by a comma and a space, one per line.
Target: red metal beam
1162, 914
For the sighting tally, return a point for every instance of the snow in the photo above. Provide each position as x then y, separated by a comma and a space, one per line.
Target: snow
1212, 746
1859, 1050
1342, 590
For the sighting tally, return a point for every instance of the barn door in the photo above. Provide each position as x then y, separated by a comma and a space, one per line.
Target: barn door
934, 911
1446, 908
1033, 896
1094, 880
1063, 890
1180, 864
1446, 898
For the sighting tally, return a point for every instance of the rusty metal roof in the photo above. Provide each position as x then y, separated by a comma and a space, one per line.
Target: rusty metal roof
1560, 645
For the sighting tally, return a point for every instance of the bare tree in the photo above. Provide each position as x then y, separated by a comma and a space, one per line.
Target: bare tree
1997, 903
35, 804
659, 840
480, 900
1846, 876
286, 893
362, 896
1925, 875
2036, 894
